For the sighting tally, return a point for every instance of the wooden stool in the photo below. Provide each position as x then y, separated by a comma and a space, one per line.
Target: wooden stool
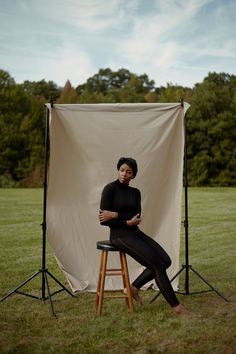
105, 247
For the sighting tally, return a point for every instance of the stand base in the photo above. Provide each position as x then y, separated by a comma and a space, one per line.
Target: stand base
187, 292
45, 273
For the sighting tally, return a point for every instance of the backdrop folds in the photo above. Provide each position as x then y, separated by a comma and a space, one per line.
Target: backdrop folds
86, 140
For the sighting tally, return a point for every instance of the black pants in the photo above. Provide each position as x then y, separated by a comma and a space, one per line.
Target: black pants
150, 254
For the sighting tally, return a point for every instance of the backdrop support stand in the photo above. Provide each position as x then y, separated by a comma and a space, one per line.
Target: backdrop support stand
188, 267
44, 272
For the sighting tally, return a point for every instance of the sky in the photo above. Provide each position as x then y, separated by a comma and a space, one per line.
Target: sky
172, 41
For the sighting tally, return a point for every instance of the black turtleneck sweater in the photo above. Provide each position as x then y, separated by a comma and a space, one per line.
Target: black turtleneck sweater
124, 200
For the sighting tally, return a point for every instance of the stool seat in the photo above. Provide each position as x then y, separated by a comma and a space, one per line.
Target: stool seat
106, 246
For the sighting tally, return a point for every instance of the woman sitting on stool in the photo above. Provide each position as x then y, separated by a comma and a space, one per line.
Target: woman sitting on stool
120, 209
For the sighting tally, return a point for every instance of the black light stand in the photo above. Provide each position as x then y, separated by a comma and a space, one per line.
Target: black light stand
187, 267
43, 271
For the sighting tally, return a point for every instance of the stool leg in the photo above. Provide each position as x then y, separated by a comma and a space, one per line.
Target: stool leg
101, 283
99, 279
126, 282
122, 263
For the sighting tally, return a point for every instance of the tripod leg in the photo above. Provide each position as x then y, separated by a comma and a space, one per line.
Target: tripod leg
178, 273
49, 294
155, 297
20, 285
58, 282
210, 286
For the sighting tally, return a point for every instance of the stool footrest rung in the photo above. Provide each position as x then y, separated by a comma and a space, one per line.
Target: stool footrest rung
111, 291
116, 297
114, 273
114, 269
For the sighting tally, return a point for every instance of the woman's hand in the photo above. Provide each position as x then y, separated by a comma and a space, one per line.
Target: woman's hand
134, 221
105, 215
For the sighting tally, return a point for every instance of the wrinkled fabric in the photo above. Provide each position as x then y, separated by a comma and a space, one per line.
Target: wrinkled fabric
86, 141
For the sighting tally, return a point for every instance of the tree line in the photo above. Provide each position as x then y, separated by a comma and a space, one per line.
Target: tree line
211, 121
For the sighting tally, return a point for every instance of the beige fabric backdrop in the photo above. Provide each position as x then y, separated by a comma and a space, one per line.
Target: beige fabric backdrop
86, 141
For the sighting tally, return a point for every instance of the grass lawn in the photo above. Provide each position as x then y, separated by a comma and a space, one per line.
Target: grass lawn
28, 327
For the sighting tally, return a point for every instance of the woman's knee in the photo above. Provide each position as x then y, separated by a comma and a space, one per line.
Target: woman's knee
168, 262
164, 263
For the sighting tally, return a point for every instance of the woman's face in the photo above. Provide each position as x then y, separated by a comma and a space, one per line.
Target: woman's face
125, 173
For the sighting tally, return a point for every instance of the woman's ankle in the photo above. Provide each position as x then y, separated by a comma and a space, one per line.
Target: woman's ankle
135, 294
180, 310
134, 288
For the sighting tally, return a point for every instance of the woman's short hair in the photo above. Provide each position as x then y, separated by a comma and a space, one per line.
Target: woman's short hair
130, 162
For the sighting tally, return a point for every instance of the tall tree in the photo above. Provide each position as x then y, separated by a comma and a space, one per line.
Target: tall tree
46, 89
173, 93
108, 82
212, 131
14, 106
68, 94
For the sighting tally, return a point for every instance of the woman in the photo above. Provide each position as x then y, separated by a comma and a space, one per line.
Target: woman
120, 209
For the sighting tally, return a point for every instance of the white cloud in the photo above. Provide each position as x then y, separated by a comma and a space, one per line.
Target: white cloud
170, 40
160, 44
71, 63
66, 63
90, 15
151, 42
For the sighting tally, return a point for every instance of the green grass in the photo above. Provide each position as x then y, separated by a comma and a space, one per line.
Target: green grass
28, 327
